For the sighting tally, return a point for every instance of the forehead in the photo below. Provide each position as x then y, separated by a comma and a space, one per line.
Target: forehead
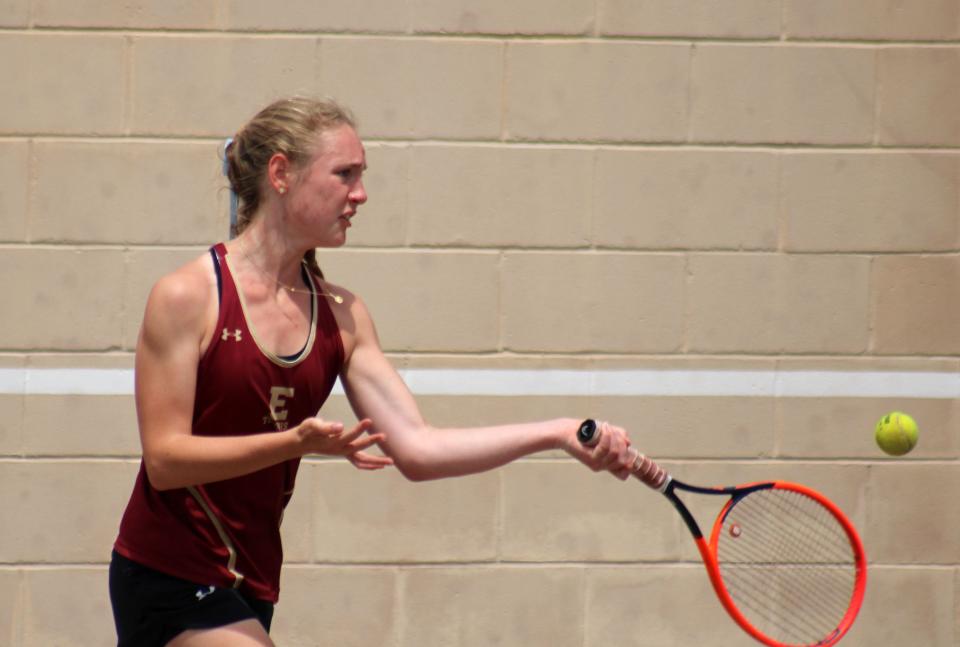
340, 145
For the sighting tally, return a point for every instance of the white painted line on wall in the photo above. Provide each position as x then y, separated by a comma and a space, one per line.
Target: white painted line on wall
554, 382
67, 381
851, 384
704, 383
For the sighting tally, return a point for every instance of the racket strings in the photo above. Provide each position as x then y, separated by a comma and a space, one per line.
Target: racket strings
788, 565
764, 604
782, 578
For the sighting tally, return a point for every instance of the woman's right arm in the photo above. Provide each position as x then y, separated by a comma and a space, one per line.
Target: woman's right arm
175, 323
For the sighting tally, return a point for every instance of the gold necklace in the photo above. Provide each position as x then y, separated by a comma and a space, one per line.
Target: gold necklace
289, 288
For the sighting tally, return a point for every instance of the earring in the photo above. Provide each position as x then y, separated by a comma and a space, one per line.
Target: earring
281, 189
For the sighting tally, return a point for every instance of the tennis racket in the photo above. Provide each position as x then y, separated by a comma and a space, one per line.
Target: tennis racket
785, 562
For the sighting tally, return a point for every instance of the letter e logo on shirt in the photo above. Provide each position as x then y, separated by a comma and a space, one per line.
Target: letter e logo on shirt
278, 403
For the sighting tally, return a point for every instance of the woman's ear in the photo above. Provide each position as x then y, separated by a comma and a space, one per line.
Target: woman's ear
279, 173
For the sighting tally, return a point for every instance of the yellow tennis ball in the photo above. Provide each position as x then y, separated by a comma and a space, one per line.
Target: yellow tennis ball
896, 433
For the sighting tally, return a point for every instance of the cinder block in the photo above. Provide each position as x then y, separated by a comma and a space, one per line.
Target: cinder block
337, 407
11, 599
662, 199
872, 19
434, 521
666, 606
919, 101
700, 18
62, 299
476, 16
396, 95
907, 607
326, 607
782, 94
14, 13
510, 607
592, 302
221, 82
127, 193
55, 70
67, 606
13, 190
11, 411
553, 91
317, 16
143, 14
424, 300
888, 202
843, 428
766, 303
80, 425
912, 513
143, 268
956, 603
296, 529
382, 221
496, 196
677, 427
476, 410
66, 511
914, 305
11, 424
591, 517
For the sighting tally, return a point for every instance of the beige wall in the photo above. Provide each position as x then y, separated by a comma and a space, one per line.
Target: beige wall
591, 185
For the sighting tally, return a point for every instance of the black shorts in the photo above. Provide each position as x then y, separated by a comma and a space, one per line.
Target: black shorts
151, 608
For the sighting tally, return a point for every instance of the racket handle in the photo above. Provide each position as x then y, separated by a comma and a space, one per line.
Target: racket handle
644, 468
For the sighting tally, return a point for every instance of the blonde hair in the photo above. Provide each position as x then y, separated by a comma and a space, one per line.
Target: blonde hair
289, 126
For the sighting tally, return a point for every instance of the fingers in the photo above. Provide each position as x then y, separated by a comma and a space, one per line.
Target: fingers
330, 438
312, 428
365, 461
353, 434
361, 459
362, 443
612, 452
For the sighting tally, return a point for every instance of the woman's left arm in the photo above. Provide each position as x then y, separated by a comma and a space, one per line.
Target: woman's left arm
422, 452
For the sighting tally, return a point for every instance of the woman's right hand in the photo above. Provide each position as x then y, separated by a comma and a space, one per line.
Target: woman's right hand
318, 436
612, 453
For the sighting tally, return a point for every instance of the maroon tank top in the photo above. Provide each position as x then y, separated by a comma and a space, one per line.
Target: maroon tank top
227, 533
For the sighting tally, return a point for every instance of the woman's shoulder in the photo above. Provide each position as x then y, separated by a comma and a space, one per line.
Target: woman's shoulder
351, 313
185, 292
344, 300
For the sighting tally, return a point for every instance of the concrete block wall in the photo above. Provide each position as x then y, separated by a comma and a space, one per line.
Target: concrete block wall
733, 228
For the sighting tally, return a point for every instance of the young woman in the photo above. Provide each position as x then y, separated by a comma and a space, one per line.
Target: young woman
238, 351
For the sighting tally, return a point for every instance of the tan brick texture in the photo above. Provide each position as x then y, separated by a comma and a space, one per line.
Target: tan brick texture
732, 228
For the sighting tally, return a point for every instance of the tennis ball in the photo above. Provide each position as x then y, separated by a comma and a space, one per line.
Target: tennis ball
896, 433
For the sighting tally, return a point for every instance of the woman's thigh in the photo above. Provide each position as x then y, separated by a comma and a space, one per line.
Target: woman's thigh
246, 633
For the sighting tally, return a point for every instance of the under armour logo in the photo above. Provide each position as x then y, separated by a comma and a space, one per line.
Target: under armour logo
202, 594
226, 334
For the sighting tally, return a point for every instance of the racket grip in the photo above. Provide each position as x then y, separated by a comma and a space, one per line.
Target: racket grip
644, 468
